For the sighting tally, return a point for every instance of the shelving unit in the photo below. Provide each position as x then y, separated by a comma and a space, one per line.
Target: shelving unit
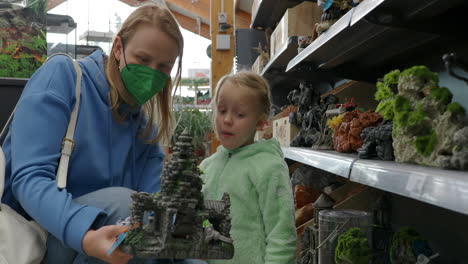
270, 12
277, 65
370, 40
327, 160
380, 35
444, 188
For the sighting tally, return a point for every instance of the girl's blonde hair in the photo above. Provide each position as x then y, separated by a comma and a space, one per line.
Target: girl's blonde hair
163, 19
250, 80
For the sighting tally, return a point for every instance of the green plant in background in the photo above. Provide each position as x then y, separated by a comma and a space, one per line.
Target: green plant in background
352, 248
38, 8
198, 124
23, 40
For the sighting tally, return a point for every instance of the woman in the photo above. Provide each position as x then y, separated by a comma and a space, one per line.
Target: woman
115, 150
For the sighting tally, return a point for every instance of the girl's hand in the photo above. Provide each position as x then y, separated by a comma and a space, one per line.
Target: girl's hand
97, 242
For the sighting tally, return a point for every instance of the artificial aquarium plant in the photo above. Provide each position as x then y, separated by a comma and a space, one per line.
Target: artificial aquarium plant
408, 246
352, 248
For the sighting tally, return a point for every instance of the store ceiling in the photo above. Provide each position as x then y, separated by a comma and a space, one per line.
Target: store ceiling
193, 15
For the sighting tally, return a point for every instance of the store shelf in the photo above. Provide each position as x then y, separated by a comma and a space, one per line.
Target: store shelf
380, 35
270, 12
278, 63
327, 160
444, 188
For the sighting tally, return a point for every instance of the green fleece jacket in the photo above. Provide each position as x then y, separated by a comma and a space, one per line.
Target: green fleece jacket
257, 180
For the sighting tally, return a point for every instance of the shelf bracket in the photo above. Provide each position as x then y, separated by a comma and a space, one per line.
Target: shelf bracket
451, 60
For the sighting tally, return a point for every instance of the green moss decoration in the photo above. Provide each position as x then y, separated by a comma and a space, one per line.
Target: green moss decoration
134, 238
442, 94
416, 117
425, 144
392, 78
456, 108
401, 104
385, 108
421, 72
352, 247
383, 92
402, 237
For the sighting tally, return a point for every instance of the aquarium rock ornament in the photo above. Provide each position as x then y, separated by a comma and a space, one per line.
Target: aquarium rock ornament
180, 223
377, 142
347, 137
309, 116
408, 246
428, 128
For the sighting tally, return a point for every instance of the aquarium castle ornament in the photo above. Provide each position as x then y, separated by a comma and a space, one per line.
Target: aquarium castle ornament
179, 223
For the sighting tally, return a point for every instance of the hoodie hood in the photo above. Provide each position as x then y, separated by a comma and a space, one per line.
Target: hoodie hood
94, 66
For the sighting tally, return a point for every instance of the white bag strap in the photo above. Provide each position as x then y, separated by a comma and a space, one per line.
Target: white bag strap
67, 143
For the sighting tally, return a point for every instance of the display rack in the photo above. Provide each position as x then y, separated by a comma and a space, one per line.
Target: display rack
444, 188
269, 12
277, 64
327, 160
379, 35
370, 40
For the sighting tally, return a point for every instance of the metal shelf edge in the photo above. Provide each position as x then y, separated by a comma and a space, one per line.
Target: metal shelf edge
327, 160
444, 188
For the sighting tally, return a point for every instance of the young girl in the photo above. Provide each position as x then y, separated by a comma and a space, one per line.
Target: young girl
115, 150
254, 174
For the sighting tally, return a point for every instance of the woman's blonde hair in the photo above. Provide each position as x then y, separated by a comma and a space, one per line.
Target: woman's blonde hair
250, 80
163, 19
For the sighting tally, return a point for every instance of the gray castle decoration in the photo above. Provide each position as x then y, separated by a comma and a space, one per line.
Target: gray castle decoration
180, 224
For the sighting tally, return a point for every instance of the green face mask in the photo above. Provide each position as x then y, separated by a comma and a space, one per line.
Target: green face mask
143, 82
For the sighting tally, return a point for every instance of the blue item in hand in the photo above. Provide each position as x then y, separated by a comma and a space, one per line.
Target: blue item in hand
328, 4
119, 240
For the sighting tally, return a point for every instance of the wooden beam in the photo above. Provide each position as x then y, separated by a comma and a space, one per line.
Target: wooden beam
191, 25
221, 60
53, 3
199, 8
243, 19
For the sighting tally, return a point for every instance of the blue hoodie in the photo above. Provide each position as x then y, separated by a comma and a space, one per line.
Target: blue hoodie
107, 152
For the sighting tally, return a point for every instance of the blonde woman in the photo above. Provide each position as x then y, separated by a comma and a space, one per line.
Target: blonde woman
116, 147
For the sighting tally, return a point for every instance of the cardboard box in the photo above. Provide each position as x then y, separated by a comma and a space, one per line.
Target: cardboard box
297, 21
259, 64
361, 92
283, 131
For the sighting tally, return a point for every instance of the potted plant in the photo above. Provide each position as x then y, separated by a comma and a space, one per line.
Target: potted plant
198, 124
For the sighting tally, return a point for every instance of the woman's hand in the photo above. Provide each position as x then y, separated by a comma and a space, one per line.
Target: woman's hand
97, 242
